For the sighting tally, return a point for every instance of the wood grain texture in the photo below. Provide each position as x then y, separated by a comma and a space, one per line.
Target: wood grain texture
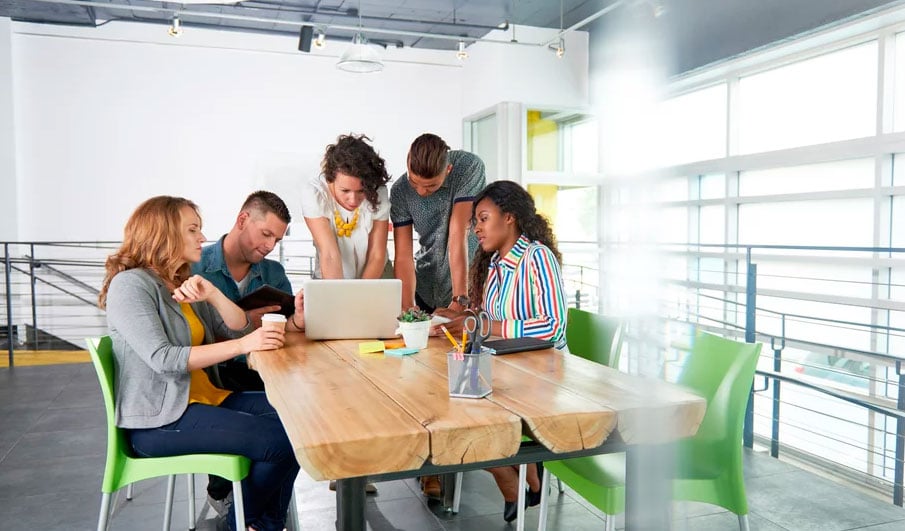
340, 424
462, 430
556, 417
650, 411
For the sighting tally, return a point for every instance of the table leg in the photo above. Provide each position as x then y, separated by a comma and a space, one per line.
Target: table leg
648, 488
449, 489
350, 504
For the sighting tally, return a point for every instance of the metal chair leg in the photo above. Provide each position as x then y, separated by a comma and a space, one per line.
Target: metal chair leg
457, 493
104, 515
293, 517
610, 523
559, 485
544, 501
522, 486
129, 491
168, 508
743, 522
239, 505
191, 489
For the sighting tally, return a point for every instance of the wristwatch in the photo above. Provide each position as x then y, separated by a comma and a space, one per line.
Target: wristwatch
462, 300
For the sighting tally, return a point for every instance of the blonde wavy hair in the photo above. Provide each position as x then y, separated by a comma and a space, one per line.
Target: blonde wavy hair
152, 239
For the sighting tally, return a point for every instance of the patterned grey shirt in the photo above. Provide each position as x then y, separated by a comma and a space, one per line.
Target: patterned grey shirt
430, 218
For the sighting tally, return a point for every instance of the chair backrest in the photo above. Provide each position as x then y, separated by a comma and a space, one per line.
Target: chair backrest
101, 350
722, 371
594, 337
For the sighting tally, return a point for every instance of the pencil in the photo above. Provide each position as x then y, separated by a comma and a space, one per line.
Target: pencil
450, 337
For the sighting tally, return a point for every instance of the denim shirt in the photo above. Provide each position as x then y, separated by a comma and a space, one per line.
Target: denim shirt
213, 267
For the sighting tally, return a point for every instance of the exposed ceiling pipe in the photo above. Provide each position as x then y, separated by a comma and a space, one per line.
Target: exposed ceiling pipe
186, 13
585, 21
353, 13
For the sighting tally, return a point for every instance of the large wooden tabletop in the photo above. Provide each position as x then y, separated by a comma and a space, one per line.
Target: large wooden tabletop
350, 415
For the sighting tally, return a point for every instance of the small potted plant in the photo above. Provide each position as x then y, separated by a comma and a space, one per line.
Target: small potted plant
414, 325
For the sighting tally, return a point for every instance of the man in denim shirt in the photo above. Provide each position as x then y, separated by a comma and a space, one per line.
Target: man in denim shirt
236, 265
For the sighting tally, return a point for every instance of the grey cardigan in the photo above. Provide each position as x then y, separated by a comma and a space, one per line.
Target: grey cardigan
151, 343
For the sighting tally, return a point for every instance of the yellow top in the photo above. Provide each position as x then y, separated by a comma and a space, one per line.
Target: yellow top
201, 390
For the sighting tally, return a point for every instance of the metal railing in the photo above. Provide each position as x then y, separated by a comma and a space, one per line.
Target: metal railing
831, 385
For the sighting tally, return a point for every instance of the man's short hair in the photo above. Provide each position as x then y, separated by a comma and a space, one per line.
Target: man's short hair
264, 202
428, 156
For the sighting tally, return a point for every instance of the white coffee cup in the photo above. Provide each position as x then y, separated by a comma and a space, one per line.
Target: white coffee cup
273, 321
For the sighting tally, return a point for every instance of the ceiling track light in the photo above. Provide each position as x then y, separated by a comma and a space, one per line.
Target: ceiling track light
175, 27
320, 39
561, 48
360, 58
461, 54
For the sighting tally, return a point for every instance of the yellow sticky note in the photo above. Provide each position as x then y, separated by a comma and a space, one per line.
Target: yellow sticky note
370, 346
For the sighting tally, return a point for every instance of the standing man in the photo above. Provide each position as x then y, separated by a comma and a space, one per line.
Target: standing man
435, 198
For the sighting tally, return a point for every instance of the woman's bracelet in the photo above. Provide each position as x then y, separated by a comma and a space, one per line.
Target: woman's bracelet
296, 325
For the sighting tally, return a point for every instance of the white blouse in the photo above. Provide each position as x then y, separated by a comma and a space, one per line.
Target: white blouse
318, 202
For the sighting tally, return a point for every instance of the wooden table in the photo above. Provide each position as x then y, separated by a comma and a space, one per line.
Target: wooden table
351, 416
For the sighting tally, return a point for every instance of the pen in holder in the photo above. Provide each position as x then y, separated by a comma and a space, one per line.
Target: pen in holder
470, 375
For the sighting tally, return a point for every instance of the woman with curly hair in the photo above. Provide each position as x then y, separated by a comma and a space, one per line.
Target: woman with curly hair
516, 278
166, 326
347, 210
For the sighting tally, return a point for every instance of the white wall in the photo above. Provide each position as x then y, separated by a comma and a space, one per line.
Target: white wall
106, 117
8, 199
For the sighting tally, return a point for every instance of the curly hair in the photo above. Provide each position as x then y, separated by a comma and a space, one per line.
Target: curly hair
152, 239
512, 199
352, 155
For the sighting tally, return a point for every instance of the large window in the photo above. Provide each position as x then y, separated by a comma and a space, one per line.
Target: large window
693, 126
823, 99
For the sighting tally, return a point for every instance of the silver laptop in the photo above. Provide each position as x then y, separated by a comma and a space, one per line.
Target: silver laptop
352, 309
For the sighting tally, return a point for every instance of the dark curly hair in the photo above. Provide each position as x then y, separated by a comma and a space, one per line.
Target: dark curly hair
511, 198
352, 155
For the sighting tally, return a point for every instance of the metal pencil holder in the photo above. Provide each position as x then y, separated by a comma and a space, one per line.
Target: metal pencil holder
470, 377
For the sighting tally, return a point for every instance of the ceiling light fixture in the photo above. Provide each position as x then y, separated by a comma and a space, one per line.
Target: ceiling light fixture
360, 58
561, 48
175, 27
461, 54
320, 40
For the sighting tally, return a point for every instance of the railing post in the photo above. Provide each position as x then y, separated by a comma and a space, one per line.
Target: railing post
750, 336
578, 299
9, 303
777, 366
899, 470
34, 302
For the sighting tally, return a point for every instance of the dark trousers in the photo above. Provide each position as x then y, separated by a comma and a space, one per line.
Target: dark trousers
244, 424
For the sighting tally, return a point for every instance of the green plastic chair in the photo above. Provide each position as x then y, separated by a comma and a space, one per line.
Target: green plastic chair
709, 465
123, 468
594, 337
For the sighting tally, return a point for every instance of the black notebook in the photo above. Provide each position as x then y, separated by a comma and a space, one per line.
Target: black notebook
517, 344
268, 296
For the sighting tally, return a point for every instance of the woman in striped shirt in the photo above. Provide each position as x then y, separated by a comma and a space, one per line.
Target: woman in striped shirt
516, 275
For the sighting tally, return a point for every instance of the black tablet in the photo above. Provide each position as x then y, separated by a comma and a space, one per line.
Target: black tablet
517, 344
268, 296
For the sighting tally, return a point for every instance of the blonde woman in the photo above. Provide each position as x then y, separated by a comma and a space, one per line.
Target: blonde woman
165, 326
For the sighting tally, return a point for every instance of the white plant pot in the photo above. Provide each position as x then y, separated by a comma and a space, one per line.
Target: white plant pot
414, 334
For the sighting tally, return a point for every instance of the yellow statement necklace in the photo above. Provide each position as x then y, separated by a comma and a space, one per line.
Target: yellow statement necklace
344, 229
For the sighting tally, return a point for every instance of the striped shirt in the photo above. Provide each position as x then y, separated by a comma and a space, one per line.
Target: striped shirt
524, 290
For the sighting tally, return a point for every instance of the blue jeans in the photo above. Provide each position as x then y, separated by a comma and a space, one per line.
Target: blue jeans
244, 424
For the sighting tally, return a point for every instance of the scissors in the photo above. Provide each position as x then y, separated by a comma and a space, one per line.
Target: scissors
477, 325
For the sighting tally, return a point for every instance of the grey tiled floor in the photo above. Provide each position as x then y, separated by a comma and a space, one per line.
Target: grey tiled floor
52, 444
